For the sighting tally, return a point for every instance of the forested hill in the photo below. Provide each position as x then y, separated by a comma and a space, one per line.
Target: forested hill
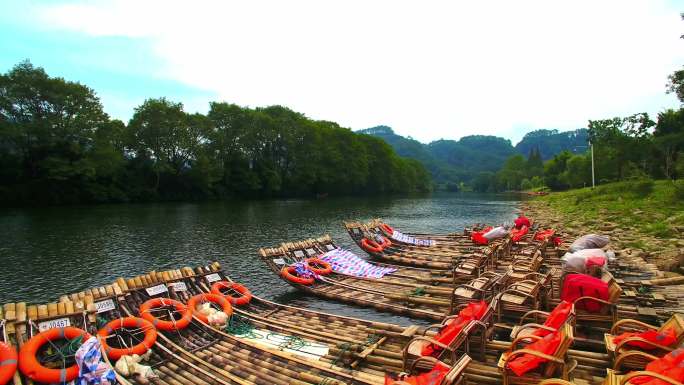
552, 142
461, 160
57, 146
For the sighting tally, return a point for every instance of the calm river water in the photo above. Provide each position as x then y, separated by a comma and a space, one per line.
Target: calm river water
46, 252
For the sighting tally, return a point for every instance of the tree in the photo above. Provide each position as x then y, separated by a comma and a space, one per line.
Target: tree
669, 139
554, 170
47, 127
160, 131
513, 172
535, 164
621, 141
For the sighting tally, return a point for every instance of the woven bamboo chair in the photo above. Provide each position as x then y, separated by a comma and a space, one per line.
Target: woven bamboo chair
472, 265
556, 381
613, 378
554, 364
608, 313
527, 263
521, 296
480, 288
526, 329
453, 377
637, 361
475, 330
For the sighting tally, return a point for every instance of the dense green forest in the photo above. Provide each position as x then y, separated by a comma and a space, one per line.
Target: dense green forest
58, 146
625, 148
474, 160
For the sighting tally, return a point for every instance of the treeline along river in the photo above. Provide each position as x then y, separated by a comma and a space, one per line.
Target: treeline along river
47, 252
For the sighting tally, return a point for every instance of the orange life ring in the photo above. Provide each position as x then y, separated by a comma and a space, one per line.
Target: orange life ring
244, 299
290, 273
8, 363
29, 365
213, 298
182, 323
128, 322
311, 264
387, 229
385, 243
370, 246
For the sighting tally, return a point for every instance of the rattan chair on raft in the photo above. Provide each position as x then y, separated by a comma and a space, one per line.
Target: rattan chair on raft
472, 330
480, 288
616, 377
521, 296
617, 351
608, 313
453, 377
526, 329
550, 365
472, 265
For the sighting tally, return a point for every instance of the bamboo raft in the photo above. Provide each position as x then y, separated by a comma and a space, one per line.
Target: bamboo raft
441, 256
395, 294
313, 348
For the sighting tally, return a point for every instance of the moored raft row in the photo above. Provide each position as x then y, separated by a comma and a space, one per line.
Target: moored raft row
487, 332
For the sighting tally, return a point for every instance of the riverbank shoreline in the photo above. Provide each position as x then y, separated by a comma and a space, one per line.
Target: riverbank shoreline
663, 255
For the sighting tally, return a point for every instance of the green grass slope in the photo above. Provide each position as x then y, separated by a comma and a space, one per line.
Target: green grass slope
639, 214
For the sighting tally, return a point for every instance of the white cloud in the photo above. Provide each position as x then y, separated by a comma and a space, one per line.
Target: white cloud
430, 69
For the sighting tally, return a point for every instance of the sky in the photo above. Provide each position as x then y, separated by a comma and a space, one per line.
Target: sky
429, 69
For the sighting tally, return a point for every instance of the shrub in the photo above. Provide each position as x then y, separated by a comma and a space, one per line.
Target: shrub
675, 193
640, 187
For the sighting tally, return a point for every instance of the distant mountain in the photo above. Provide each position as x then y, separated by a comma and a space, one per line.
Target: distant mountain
551, 142
461, 160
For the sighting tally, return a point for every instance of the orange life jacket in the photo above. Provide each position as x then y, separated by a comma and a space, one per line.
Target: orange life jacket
526, 362
521, 221
556, 318
544, 234
582, 285
474, 311
666, 338
517, 234
671, 365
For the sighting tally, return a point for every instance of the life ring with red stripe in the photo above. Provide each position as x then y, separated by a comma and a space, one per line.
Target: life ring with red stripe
8, 363
216, 299
128, 323
313, 263
182, 323
371, 246
290, 274
29, 365
387, 229
385, 243
245, 295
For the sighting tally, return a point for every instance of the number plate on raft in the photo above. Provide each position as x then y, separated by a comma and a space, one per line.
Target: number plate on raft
104, 306
179, 286
213, 277
55, 323
279, 261
154, 290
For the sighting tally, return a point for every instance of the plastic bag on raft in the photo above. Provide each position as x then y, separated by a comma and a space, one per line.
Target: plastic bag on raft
218, 318
91, 368
589, 241
496, 233
130, 365
577, 261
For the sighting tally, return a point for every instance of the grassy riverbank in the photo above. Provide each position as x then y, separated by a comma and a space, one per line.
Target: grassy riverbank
642, 216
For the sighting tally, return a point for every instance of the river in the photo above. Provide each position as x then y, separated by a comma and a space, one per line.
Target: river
47, 252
